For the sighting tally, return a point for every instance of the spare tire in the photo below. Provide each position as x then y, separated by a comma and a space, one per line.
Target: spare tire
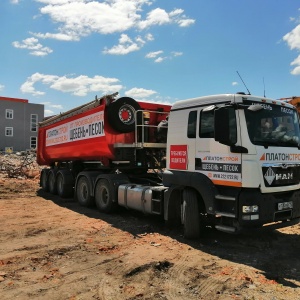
121, 114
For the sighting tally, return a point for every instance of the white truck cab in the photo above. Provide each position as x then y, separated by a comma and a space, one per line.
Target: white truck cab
239, 156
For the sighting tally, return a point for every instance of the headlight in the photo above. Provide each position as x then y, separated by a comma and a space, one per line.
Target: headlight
250, 217
250, 209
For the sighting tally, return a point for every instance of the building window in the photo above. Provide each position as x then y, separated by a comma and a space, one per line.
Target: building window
9, 131
33, 141
33, 122
9, 114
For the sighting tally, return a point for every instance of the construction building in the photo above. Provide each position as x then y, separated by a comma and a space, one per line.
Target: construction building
19, 124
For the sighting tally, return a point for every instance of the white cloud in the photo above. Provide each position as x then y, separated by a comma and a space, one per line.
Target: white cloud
79, 18
139, 93
56, 106
149, 37
160, 59
48, 112
175, 53
293, 38
296, 62
157, 16
176, 12
56, 36
2, 87
185, 22
49, 106
14, 1
78, 86
234, 83
156, 55
125, 46
32, 44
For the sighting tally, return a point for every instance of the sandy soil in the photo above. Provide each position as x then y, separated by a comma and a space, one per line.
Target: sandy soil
55, 249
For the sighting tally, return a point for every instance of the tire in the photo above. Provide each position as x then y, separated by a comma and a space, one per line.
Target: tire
191, 215
52, 182
104, 196
121, 114
63, 190
44, 180
83, 192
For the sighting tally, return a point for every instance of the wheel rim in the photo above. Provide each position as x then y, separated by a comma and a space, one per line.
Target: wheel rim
126, 114
83, 190
104, 195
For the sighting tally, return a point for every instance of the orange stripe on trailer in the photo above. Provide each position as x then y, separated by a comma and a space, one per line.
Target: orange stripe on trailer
228, 183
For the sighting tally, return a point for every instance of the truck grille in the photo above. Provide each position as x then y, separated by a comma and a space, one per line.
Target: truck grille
281, 175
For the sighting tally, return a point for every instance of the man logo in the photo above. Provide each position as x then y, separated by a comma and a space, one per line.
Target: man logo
270, 176
284, 176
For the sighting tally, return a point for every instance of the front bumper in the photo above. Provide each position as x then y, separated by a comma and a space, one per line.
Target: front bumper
268, 212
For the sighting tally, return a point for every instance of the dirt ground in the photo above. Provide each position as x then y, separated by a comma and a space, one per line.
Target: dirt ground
54, 249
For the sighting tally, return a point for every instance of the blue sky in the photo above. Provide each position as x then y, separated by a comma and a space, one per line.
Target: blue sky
62, 53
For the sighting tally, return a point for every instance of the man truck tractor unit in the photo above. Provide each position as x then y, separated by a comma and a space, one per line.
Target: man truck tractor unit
230, 161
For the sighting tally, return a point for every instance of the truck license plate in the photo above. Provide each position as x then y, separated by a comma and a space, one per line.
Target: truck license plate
285, 205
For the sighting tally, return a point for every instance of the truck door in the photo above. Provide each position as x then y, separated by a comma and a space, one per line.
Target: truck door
200, 132
217, 154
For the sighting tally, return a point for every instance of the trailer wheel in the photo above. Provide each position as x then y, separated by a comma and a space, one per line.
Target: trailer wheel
52, 182
44, 180
121, 114
83, 192
104, 196
63, 190
191, 215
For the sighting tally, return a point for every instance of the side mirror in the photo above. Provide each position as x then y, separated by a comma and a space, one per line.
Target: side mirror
225, 126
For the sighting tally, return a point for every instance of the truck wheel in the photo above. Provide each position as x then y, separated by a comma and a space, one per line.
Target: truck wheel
121, 114
83, 192
104, 196
52, 182
191, 215
63, 190
44, 180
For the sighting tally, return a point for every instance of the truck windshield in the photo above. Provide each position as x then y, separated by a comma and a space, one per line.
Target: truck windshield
274, 125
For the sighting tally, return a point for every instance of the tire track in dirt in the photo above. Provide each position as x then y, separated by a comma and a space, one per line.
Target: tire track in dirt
188, 281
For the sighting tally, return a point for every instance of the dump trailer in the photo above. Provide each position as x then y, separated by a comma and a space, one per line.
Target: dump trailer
229, 161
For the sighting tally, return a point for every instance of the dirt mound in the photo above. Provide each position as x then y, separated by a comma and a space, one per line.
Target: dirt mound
19, 165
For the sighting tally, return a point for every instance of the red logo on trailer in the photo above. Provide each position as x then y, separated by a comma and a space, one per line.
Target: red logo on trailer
178, 157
